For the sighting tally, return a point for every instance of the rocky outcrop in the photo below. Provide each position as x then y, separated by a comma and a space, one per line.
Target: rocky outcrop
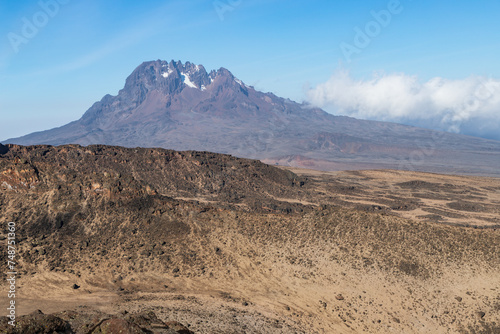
91, 322
3, 149
117, 172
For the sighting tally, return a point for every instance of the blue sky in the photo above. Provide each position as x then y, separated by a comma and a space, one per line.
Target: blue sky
440, 57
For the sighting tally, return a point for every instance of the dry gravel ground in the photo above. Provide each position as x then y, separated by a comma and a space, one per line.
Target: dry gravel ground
450, 199
277, 252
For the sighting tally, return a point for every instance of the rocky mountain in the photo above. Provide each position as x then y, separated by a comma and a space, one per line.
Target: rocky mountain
183, 107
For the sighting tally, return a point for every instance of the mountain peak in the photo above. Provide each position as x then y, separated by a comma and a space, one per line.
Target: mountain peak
177, 87
173, 77
180, 106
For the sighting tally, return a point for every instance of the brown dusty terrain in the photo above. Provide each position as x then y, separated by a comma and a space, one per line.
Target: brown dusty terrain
227, 245
450, 199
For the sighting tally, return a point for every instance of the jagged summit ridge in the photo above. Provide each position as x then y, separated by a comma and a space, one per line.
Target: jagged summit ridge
176, 75
164, 89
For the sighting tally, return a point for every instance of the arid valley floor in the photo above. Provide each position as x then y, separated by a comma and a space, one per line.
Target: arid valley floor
228, 245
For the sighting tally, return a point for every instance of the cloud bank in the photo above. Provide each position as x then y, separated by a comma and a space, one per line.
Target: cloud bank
469, 106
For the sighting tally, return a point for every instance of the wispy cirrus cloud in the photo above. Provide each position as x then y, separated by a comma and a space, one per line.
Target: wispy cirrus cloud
469, 106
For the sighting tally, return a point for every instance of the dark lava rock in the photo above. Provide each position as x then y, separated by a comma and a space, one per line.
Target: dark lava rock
92, 322
146, 320
35, 323
118, 326
3, 149
178, 327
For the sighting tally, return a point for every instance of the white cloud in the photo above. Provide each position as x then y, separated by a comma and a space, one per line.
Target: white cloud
470, 105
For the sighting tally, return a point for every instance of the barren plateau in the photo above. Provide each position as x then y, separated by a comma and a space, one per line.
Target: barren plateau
227, 245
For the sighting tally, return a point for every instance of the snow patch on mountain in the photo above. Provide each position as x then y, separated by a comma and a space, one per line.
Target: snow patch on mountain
166, 74
187, 80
